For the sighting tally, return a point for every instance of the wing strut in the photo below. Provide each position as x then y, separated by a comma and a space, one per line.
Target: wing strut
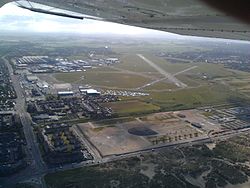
51, 11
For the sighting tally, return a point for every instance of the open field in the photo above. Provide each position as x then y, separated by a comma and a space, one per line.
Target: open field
194, 97
162, 85
166, 65
239, 82
112, 79
211, 70
129, 107
191, 80
134, 63
111, 140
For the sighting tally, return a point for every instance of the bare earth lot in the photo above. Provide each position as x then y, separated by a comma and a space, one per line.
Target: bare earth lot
141, 133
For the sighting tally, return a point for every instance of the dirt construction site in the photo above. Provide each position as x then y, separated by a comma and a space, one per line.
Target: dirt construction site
146, 132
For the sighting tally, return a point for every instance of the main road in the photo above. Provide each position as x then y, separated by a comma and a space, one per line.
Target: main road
37, 166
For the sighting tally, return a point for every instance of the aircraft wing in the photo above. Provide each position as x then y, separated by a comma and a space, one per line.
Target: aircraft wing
187, 17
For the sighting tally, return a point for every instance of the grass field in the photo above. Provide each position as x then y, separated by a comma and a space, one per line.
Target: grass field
195, 97
132, 107
239, 82
161, 86
211, 70
191, 80
112, 79
166, 65
134, 63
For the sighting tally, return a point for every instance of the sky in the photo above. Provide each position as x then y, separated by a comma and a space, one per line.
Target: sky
13, 18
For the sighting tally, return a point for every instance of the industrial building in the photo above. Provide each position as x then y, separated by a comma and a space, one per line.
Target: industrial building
90, 92
32, 78
65, 93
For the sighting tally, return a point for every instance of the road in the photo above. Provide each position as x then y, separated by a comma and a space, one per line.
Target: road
93, 151
37, 166
166, 75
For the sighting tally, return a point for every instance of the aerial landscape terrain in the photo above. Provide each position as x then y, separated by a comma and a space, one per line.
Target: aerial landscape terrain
110, 111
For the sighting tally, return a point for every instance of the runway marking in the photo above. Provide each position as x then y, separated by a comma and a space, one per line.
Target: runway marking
188, 69
167, 75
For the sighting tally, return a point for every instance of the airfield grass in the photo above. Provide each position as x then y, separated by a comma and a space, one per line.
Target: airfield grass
104, 79
130, 107
238, 81
210, 94
166, 65
194, 97
212, 70
209, 69
109, 77
134, 63
161, 86
191, 80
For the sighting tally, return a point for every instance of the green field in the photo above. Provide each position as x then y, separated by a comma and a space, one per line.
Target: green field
161, 86
166, 65
112, 79
211, 70
129, 107
195, 97
135, 64
239, 82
